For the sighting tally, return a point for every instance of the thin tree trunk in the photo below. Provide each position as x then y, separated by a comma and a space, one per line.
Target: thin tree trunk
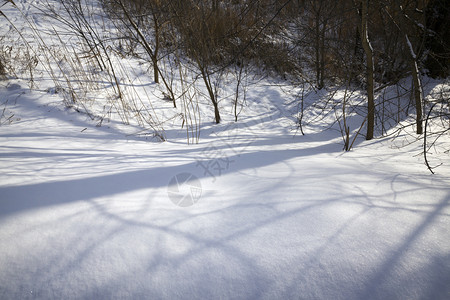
2, 70
211, 93
417, 87
368, 50
317, 46
322, 54
156, 50
417, 84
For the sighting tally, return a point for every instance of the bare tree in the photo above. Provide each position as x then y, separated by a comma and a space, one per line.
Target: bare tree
152, 50
403, 21
201, 31
368, 50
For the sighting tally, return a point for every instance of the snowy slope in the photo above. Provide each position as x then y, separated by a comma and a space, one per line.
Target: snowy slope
87, 212
253, 211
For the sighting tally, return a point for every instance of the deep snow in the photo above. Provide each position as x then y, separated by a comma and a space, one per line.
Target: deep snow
86, 213
253, 211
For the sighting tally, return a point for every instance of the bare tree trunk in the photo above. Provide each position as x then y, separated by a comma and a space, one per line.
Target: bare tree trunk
156, 50
412, 60
368, 50
417, 87
317, 46
319, 37
2, 70
209, 87
322, 54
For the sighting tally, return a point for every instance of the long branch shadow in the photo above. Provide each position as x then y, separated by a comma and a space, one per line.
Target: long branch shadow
16, 199
373, 286
23, 197
258, 283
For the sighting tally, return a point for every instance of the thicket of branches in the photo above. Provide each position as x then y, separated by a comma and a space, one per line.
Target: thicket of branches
372, 44
366, 45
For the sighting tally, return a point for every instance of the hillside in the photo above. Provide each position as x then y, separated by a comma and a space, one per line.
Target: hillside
103, 197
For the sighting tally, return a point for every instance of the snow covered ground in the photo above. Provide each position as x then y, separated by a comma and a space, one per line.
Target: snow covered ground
88, 212
253, 211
